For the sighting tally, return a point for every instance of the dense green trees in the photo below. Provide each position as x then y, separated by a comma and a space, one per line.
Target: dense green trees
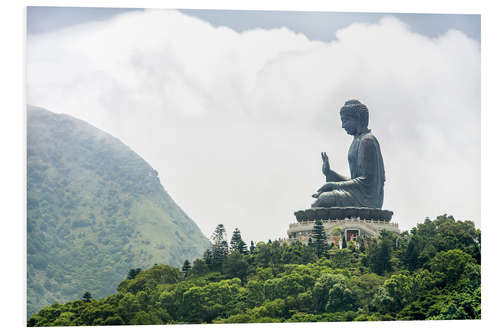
390, 279
442, 234
133, 272
380, 252
331, 293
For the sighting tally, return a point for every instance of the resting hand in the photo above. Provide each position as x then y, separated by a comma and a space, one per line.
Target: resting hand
327, 187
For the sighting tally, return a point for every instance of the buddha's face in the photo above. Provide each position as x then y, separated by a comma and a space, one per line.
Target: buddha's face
350, 123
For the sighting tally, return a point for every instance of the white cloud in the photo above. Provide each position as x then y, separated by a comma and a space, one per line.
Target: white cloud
234, 123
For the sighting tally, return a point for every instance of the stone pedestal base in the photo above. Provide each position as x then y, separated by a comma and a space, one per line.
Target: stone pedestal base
340, 213
353, 223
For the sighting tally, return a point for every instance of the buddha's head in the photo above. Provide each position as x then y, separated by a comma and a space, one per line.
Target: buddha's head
354, 117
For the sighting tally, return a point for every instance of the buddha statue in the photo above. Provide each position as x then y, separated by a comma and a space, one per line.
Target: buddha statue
365, 187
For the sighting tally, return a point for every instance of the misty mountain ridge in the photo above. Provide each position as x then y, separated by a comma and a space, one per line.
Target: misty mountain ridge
95, 209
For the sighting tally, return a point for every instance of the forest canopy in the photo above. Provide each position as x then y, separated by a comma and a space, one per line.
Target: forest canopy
430, 272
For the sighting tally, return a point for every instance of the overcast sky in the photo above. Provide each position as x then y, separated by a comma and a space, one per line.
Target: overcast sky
234, 108
315, 25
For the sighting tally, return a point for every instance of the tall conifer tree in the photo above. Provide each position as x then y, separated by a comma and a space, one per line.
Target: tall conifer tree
252, 246
219, 246
320, 242
186, 268
237, 244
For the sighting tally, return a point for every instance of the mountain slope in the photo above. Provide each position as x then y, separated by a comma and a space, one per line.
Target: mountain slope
95, 209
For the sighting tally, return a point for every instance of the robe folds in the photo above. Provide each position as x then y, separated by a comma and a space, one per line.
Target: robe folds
366, 186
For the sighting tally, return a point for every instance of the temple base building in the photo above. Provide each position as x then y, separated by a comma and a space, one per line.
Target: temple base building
349, 223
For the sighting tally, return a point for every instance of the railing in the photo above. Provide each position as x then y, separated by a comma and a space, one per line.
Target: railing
370, 226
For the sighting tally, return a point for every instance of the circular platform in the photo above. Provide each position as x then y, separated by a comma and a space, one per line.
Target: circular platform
340, 213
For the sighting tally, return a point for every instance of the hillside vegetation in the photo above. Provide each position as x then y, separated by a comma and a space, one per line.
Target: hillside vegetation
94, 210
431, 272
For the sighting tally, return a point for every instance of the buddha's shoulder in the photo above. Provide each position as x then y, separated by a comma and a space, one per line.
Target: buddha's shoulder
368, 137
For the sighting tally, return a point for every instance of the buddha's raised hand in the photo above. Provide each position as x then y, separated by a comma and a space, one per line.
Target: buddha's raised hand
326, 164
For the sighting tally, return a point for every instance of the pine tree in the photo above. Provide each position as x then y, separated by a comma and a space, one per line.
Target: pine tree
208, 257
237, 244
87, 296
320, 241
186, 268
219, 246
310, 241
252, 247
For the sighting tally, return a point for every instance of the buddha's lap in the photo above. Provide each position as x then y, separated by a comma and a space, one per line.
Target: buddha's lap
335, 198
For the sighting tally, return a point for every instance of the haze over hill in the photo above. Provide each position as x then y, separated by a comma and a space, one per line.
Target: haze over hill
95, 209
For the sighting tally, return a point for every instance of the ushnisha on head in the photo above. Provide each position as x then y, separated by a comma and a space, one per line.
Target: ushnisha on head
354, 115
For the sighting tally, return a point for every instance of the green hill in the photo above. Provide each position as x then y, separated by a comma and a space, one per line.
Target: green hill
432, 272
95, 209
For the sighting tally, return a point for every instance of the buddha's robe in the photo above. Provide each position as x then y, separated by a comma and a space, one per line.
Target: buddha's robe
366, 186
